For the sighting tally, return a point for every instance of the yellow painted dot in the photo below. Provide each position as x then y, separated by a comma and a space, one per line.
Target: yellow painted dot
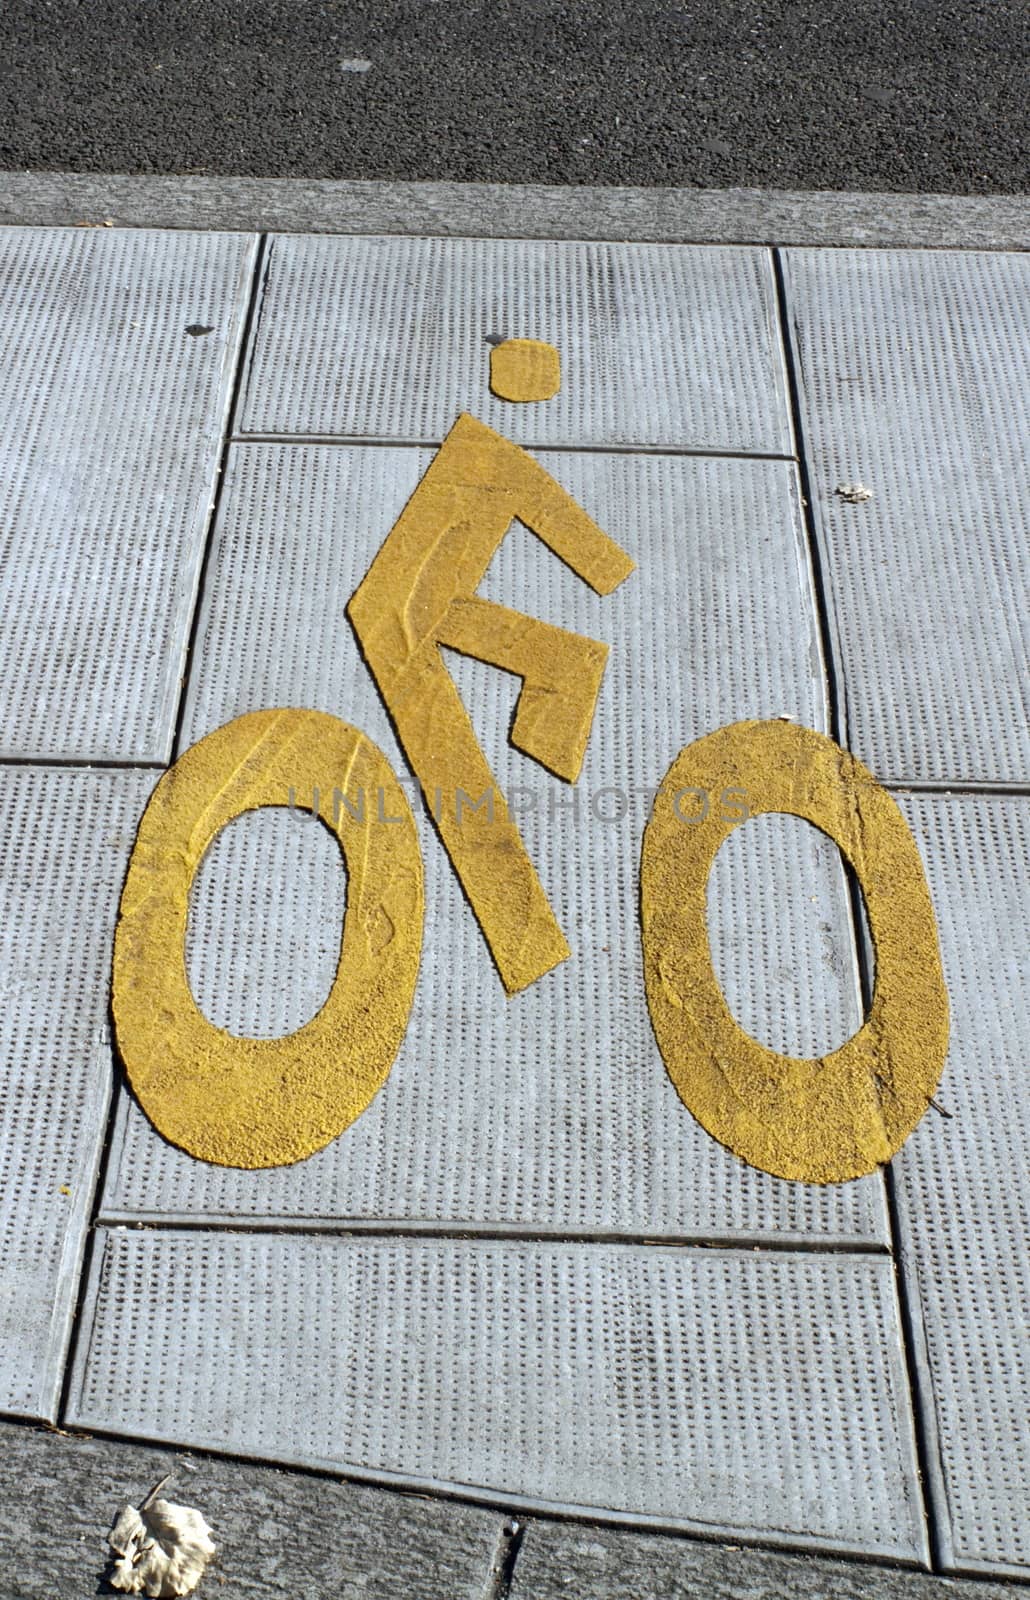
525, 369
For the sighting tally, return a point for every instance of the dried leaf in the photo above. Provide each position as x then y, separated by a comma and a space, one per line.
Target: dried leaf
161, 1549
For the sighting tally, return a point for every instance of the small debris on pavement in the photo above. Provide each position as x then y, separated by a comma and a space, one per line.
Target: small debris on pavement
853, 493
161, 1549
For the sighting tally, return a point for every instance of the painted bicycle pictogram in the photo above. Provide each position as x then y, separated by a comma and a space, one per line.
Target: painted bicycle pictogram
266, 1102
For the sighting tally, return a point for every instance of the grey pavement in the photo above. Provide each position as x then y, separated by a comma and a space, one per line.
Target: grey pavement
525, 1284
308, 1537
276, 1533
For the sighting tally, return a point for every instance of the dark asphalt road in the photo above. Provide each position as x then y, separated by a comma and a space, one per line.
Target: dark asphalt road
916, 95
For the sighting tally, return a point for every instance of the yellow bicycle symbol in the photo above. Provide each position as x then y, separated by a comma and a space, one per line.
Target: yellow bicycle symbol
266, 1102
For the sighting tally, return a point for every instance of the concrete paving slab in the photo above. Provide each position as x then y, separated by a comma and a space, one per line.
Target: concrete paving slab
559, 1100
756, 1394
65, 839
112, 413
276, 1533
913, 373
559, 1561
493, 1284
961, 1184
662, 347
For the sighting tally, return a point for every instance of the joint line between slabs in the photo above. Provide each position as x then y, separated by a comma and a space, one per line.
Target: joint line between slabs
257, 286
83, 763
78, 1318
837, 690
507, 1545
352, 440
833, 684
458, 1233
943, 789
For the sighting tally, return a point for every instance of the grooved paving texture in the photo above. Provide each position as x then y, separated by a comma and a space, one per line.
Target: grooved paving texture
552, 1111
962, 1184
65, 839
111, 421
760, 1393
263, 937
914, 375
669, 345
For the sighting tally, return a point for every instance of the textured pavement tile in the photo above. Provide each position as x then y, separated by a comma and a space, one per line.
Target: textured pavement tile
558, 1561
554, 1111
386, 338
962, 1183
755, 1394
914, 376
111, 418
65, 839
752, 1392
279, 1535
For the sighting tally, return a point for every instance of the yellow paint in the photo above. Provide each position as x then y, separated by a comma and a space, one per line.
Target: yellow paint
525, 369
267, 1102
418, 595
561, 676
822, 1120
